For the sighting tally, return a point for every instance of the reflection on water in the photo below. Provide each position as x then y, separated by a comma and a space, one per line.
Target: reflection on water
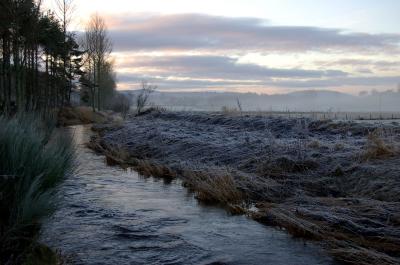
111, 216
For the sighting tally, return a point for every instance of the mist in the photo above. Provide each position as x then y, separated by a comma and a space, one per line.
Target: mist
301, 101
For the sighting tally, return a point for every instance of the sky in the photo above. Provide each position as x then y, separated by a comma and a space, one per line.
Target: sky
262, 46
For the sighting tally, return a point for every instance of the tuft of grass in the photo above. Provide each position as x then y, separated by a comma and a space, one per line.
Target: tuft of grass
229, 110
148, 168
280, 166
220, 189
34, 160
314, 144
338, 147
376, 147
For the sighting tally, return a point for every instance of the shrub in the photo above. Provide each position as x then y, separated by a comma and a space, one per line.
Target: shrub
34, 159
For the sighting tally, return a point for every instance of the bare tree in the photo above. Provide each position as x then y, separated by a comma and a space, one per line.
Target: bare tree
64, 11
142, 99
98, 48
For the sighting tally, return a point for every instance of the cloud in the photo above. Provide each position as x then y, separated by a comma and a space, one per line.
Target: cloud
205, 32
225, 73
195, 51
218, 67
361, 62
368, 81
176, 83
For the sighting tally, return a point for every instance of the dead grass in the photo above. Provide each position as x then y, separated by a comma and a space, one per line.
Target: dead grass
150, 169
314, 144
344, 242
80, 115
338, 147
229, 110
118, 155
219, 189
361, 256
274, 215
119, 152
280, 166
376, 147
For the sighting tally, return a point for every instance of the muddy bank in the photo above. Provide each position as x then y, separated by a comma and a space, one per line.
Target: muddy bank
336, 182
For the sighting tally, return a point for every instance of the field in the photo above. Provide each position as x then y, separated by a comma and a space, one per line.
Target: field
321, 115
334, 181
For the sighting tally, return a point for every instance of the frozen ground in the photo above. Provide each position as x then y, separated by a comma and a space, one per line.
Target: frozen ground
325, 180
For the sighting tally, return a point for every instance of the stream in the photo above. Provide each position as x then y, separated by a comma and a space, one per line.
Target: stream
108, 215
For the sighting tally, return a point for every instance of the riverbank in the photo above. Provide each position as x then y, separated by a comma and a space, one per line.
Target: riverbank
336, 182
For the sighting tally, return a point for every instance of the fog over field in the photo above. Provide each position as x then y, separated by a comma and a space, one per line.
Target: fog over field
307, 100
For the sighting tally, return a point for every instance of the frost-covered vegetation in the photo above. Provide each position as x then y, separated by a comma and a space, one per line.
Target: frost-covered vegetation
327, 180
34, 160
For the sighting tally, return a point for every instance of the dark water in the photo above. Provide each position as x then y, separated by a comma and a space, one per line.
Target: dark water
111, 216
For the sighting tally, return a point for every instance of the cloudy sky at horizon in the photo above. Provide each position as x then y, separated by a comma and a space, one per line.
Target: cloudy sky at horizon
264, 46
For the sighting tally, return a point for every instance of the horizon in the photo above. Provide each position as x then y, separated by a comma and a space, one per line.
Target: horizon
266, 47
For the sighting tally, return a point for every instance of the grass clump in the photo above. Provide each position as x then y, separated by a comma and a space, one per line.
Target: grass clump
314, 144
213, 189
338, 147
34, 159
229, 110
376, 147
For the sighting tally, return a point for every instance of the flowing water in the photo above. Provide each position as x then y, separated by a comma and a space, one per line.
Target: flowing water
111, 216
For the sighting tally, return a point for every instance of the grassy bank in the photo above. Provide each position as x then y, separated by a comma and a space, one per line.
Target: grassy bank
34, 160
336, 182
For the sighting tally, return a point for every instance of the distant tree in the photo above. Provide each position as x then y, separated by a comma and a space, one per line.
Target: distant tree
142, 99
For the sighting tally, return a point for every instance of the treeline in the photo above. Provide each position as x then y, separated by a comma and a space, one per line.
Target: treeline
41, 62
